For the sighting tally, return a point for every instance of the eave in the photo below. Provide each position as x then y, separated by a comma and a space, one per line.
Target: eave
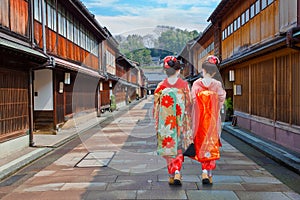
32, 53
258, 50
224, 7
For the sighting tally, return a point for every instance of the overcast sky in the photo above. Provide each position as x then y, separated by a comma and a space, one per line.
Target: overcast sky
142, 16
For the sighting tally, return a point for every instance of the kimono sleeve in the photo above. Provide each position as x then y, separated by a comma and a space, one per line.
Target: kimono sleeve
156, 103
221, 94
187, 127
188, 100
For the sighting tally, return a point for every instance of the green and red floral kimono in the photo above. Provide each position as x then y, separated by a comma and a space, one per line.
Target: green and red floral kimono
171, 111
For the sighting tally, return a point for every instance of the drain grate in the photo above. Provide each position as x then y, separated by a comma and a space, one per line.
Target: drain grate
96, 159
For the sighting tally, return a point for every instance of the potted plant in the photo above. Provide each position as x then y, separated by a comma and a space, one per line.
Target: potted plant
113, 105
229, 109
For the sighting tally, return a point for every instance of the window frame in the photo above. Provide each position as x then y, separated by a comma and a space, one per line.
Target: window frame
257, 7
243, 16
247, 15
238, 22
76, 33
51, 11
235, 25
37, 10
264, 4
252, 11
70, 27
83, 37
62, 26
270, 2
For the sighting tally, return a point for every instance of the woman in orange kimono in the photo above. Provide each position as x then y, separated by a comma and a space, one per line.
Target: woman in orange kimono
172, 104
208, 97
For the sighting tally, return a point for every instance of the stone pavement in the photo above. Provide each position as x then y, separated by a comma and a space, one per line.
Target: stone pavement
118, 161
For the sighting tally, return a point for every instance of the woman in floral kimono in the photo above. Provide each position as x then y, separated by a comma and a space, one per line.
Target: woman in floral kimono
172, 104
208, 97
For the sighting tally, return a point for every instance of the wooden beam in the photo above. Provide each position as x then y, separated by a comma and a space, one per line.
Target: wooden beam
55, 88
275, 89
250, 89
290, 87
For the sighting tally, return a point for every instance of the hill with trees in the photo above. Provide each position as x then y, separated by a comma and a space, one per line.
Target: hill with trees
149, 49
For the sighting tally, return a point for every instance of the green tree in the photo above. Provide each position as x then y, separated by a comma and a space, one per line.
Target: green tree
164, 38
175, 39
131, 43
142, 56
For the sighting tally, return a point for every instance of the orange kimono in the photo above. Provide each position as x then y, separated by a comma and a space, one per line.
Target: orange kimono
206, 121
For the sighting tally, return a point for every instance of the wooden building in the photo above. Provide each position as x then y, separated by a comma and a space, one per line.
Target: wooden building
57, 62
133, 78
68, 33
121, 83
153, 79
110, 53
143, 84
18, 58
195, 52
258, 43
124, 86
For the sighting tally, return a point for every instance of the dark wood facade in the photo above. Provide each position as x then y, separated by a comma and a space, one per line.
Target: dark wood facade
72, 38
123, 72
56, 62
13, 103
17, 59
257, 40
195, 52
13, 15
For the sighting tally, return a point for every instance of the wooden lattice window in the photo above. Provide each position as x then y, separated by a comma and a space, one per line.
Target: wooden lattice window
13, 103
295, 89
262, 91
283, 89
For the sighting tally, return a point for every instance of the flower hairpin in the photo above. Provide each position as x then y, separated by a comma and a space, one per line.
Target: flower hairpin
169, 61
213, 60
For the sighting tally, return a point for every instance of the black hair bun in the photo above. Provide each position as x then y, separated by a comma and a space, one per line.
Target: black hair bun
171, 63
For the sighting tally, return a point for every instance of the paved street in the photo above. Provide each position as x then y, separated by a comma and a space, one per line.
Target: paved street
117, 160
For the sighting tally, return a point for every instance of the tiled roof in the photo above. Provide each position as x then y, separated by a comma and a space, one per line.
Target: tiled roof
154, 77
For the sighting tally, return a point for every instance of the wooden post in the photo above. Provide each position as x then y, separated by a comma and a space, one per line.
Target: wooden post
250, 89
291, 86
55, 89
275, 89
30, 95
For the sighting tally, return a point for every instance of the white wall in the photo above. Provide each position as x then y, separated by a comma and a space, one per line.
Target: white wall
43, 90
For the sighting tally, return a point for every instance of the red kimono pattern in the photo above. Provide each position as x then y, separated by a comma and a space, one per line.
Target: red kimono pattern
178, 117
208, 101
172, 115
206, 130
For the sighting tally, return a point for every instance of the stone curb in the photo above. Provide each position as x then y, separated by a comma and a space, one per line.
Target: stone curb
274, 151
22, 161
